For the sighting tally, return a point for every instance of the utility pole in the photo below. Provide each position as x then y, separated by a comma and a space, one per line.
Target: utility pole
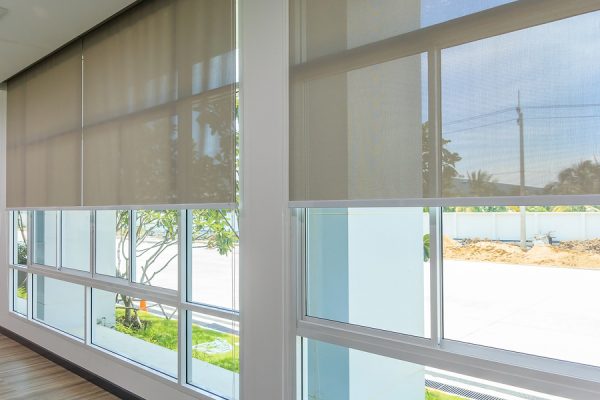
521, 170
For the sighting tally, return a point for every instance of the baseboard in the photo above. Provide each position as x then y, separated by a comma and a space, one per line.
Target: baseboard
76, 369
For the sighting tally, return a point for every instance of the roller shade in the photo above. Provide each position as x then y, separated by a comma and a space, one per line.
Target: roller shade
382, 109
159, 102
43, 160
153, 113
355, 133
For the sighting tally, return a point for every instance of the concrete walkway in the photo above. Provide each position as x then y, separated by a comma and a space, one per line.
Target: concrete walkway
547, 311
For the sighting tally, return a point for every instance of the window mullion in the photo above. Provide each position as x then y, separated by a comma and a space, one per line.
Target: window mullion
132, 240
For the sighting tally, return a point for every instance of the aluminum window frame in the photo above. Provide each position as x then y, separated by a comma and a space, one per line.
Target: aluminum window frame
551, 376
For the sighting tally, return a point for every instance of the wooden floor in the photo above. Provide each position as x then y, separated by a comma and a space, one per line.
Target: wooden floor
25, 374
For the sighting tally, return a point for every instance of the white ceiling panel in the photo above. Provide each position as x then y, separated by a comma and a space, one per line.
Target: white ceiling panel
31, 29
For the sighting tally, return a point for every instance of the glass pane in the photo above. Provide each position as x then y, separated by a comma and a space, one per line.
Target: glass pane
329, 27
370, 267
138, 329
215, 358
524, 279
45, 244
357, 134
20, 238
157, 248
19, 291
75, 240
333, 372
215, 249
59, 304
521, 114
112, 242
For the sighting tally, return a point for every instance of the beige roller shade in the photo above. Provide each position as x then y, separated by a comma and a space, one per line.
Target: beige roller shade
355, 133
44, 133
158, 106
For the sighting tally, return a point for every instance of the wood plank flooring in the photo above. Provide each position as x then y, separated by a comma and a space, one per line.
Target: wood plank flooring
25, 374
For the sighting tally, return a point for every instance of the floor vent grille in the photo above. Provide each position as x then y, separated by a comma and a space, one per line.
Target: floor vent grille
469, 394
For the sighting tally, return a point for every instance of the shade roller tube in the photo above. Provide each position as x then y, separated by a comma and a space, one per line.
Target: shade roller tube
43, 141
377, 118
159, 104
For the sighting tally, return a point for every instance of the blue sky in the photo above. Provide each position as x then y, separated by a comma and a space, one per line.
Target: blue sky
556, 64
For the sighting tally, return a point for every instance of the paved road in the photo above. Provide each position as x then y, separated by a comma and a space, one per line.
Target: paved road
548, 311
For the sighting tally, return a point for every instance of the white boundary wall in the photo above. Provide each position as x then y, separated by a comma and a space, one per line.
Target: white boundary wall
505, 225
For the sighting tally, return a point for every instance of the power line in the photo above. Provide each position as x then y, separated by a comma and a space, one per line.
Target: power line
480, 126
564, 106
566, 117
503, 110
480, 116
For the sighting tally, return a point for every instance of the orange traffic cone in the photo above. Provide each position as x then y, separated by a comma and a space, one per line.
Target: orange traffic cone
143, 305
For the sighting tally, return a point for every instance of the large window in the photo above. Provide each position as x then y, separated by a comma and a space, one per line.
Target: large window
158, 288
443, 159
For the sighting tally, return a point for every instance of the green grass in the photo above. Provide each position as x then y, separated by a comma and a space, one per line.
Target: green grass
431, 394
22, 292
163, 332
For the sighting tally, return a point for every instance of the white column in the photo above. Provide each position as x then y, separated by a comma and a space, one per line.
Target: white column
263, 219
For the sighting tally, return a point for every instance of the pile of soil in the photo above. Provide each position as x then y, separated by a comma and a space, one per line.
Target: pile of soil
572, 254
587, 246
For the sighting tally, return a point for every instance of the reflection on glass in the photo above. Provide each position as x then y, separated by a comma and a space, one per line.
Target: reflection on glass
365, 259
75, 240
45, 237
531, 290
112, 242
520, 113
215, 359
138, 329
157, 239
215, 248
19, 291
332, 372
59, 304
20, 238
331, 27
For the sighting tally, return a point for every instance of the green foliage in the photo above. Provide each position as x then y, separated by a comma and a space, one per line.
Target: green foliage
21, 253
580, 178
431, 394
482, 183
163, 332
426, 241
22, 292
449, 160
215, 229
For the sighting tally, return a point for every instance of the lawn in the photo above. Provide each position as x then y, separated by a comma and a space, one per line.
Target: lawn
158, 330
163, 332
431, 394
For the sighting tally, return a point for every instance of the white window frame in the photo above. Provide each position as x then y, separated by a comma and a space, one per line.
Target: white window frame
91, 280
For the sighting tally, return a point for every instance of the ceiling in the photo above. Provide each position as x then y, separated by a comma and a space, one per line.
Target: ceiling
31, 29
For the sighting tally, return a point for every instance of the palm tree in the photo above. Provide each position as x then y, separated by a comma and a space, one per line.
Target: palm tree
580, 178
481, 183
449, 160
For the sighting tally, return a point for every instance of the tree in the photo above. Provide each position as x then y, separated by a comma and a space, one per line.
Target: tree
449, 160
481, 183
580, 178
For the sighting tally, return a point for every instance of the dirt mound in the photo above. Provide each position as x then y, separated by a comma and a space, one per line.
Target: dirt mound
589, 246
573, 254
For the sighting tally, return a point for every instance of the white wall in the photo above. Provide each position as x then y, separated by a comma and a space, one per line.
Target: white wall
505, 225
